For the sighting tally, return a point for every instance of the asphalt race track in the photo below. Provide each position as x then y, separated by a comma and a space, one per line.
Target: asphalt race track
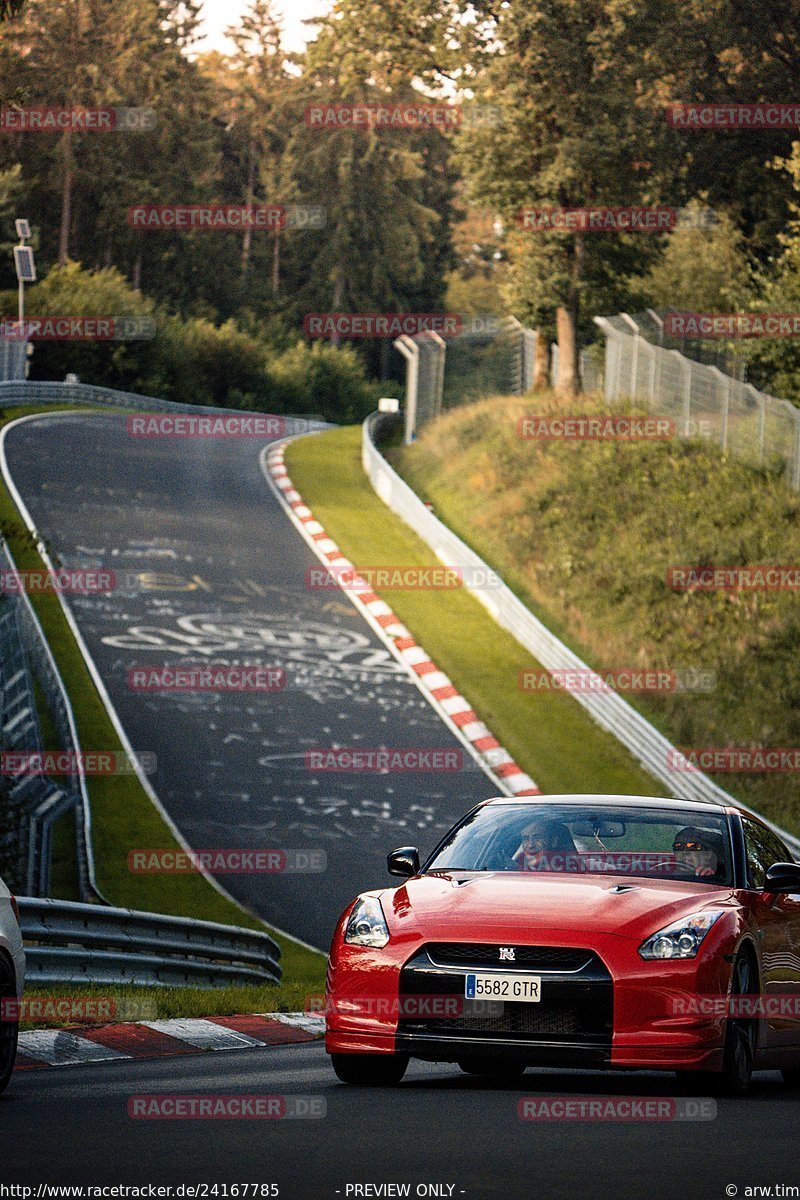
210, 570
71, 1126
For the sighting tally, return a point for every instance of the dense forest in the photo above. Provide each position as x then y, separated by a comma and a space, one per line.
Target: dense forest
550, 102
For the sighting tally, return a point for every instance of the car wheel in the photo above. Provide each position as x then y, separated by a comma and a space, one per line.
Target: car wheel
9, 1030
370, 1070
497, 1068
740, 1039
791, 1077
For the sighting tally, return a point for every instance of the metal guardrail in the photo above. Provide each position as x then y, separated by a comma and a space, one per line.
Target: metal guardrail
13, 358
24, 655
84, 943
37, 801
607, 708
41, 393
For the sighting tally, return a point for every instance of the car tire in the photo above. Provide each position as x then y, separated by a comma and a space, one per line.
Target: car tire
9, 1030
370, 1070
740, 1040
791, 1077
494, 1068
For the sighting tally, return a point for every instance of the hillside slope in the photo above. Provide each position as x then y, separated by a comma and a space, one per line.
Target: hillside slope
586, 533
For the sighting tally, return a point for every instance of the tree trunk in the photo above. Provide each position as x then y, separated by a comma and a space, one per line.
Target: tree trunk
276, 263
541, 363
386, 346
137, 271
569, 377
247, 239
567, 351
338, 293
67, 179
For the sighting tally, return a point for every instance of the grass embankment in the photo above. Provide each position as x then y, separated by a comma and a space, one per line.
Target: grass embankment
124, 817
585, 533
550, 736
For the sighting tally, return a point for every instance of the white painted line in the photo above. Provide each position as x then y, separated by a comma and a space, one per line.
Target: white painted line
58, 1048
416, 655
499, 784
21, 715
205, 1035
435, 680
379, 608
307, 1021
98, 679
456, 704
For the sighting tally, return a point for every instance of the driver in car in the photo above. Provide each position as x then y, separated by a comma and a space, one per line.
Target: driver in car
545, 846
698, 850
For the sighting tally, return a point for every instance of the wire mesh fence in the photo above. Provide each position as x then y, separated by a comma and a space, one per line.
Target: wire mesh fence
700, 388
700, 398
490, 356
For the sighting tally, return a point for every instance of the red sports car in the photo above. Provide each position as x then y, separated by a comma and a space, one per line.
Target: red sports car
576, 931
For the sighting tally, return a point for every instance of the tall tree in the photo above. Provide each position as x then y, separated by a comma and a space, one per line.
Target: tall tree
570, 133
388, 192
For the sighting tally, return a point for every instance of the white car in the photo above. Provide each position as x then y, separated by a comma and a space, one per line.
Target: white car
12, 979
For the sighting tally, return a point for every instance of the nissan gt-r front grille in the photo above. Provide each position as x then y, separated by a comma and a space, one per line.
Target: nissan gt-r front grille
532, 958
575, 1006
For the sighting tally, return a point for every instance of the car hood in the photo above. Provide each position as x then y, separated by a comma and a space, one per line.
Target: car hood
500, 906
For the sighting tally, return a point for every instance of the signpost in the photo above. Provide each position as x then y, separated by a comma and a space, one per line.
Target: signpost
24, 263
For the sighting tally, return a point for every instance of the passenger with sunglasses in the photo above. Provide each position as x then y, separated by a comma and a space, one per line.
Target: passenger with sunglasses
698, 850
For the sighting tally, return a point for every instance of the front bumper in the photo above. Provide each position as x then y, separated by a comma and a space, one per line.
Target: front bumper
615, 1011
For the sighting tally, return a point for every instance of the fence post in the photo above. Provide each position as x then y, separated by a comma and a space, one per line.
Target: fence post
762, 421
441, 352
687, 394
529, 339
611, 357
410, 352
655, 358
724, 382
634, 355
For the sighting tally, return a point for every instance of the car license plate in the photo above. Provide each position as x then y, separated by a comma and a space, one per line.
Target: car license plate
503, 986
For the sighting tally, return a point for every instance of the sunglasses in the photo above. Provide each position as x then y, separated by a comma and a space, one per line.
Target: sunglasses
688, 846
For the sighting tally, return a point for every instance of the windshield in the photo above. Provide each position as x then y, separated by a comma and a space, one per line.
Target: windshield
656, 843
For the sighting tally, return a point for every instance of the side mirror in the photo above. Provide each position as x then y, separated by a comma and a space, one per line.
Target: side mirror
403, 862
783, 877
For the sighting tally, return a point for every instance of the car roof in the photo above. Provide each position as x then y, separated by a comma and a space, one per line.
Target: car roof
600, 799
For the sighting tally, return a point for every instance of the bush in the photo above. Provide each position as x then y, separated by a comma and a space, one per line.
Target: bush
194, 361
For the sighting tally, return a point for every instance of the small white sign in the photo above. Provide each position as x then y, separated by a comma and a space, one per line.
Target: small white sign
24, 262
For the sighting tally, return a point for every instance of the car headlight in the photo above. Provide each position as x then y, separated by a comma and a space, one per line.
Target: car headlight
367, 925
683, 938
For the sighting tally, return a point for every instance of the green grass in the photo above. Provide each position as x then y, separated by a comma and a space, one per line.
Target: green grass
584, 534
163, 1003
122, 813
549, 735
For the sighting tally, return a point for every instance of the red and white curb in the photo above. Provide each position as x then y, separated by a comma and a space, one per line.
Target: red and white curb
157, 1039
436, 686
